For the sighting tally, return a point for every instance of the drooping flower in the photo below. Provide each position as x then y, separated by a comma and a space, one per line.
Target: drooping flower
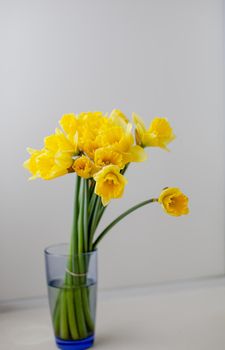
84, 167
159, 133
109, 183
174, 202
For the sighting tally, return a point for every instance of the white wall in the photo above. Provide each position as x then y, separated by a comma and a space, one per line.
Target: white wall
155, 57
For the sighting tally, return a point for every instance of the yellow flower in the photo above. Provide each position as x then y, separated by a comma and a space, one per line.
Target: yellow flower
61, 149
174, 202
92, 122
122, 142
129, 151
42, 163
31, 164
159, 133
106, 156
140, 129
109, 136
91, 125
69, 124
84, 167
116, 113
88, 144
109, 183
54, 160
119, 119
48, 168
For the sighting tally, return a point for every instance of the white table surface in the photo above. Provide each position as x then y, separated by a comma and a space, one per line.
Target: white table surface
184, 319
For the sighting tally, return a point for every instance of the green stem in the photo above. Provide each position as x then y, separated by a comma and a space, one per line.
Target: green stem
123, 215
97, 214
64, 331
56, 315
71, 311
94, 217
87, 311
80, 220
83, 263
71, 303
91, 207
80, 264
85, 216
74, 234
91, 187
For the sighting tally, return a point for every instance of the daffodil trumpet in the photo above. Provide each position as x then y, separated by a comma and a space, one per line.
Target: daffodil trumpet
97, 148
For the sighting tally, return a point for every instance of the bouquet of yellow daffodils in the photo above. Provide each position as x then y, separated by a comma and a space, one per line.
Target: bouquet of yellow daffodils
97, 148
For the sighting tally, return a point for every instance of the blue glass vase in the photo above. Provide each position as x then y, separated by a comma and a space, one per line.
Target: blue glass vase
72, 293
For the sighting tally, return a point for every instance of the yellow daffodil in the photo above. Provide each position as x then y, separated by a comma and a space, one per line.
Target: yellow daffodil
159, 133
84, 167
119, 119
31, 164
122, 142
92, 124
88, 144
109, 183
174, 202
54, 159
69, 124
110, 136
43, 164
60, 149
51, 166
129, 151
106, 156
116, 113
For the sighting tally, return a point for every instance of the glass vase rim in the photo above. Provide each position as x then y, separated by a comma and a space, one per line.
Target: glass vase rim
49, 247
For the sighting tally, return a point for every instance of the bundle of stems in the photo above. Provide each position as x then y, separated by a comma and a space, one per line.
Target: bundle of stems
72, 317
